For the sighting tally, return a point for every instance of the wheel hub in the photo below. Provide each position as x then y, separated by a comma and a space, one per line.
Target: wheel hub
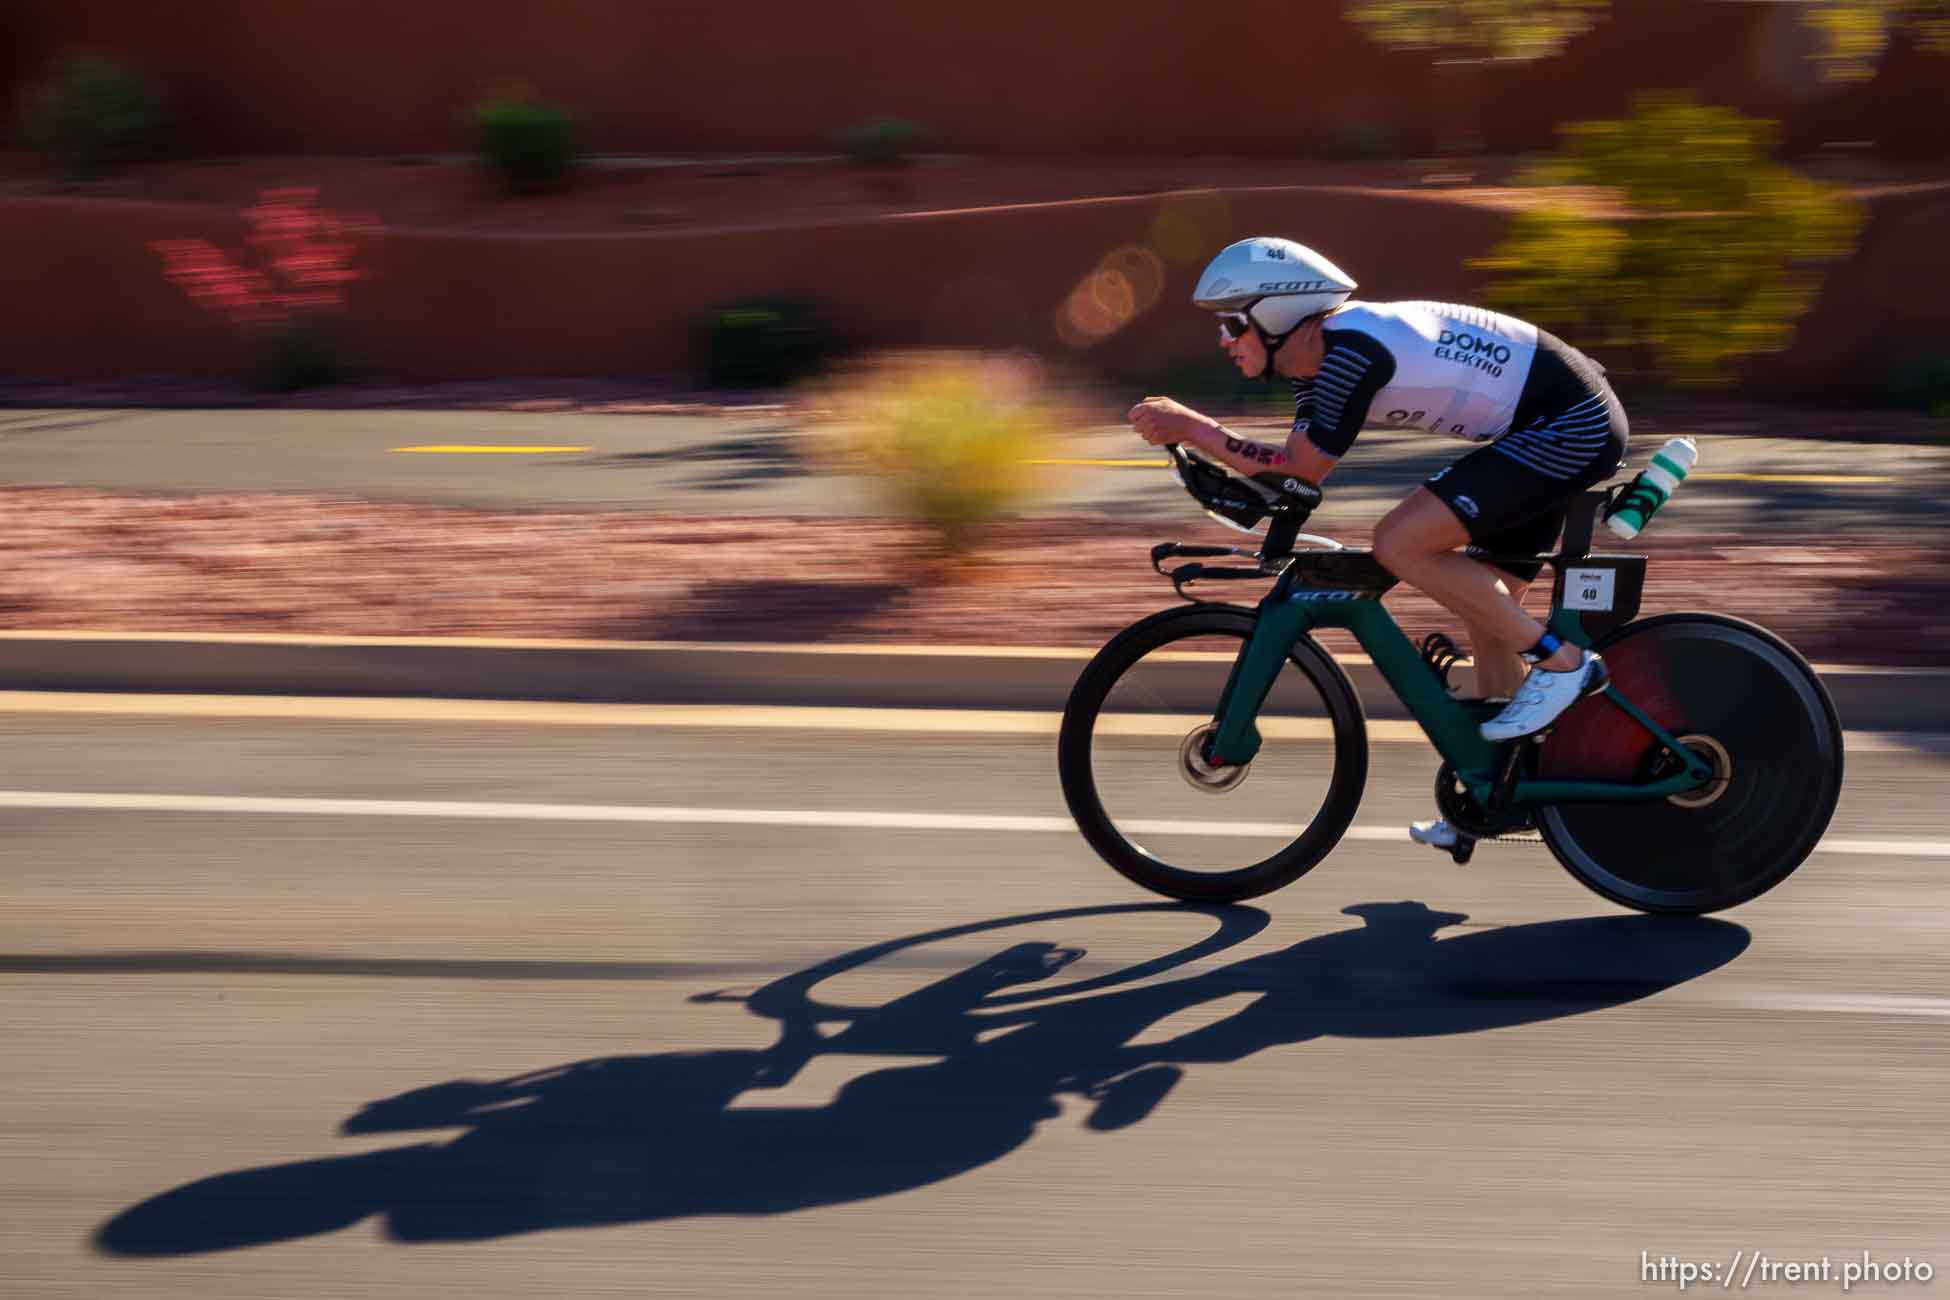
1198, 771
1714, 755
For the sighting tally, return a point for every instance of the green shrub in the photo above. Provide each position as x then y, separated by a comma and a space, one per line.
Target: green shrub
1921, 383
1713, 259
1518, 30
764, 342
292, 356
949, 440
93, 115
883, 142
1362, 142
1855, 33
531, 145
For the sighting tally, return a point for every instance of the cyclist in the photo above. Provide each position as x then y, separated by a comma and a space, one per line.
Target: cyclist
1549, 424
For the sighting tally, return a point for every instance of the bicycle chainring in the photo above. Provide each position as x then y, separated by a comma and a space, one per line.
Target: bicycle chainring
1460, 810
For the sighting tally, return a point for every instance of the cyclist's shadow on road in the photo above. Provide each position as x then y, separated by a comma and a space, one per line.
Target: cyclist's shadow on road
626, 1139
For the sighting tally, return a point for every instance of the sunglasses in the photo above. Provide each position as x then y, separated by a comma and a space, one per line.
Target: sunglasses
1233, 325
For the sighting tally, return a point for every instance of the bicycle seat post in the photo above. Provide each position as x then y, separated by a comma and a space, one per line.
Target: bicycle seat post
1577, 525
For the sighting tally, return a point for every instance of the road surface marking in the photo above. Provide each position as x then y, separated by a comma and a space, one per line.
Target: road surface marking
741, 717
731, 649
805, 818
1103, 463
1120, 462
482, 449
1796, 478
1873, 1004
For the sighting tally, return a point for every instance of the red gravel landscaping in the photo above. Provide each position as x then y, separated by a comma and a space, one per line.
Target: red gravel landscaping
300, 564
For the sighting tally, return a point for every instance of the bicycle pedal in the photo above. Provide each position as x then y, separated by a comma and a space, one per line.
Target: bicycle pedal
1462, 849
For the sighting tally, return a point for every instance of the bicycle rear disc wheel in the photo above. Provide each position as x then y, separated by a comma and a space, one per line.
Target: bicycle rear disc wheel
1741, 699
1132, 761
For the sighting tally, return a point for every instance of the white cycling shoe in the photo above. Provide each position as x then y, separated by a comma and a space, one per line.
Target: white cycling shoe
1437, 834
1543, 696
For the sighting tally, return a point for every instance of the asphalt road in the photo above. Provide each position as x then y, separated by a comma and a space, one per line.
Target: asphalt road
749, 465
591, 1010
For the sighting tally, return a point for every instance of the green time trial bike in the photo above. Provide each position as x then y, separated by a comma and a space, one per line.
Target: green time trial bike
1702, 775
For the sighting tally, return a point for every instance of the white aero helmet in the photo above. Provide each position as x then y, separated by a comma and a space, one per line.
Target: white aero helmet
1275, 283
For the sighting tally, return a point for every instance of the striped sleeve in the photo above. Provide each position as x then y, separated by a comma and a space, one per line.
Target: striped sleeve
1355, 367
1303, 404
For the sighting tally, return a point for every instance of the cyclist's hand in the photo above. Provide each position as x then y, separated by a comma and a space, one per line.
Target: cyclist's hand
1161, 420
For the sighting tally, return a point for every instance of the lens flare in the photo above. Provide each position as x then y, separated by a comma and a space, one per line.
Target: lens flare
1125, 284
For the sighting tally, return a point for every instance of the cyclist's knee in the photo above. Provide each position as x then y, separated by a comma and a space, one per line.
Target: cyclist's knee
1396, 543
1417, 528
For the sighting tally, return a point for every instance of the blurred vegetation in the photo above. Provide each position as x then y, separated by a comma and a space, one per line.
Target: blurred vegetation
1362, 142
93, 115
1707, 256
883, 142
1854, 33
1486, 29
1464, 35
531, 145
1920, 383
947, 438
764, 343
301, 353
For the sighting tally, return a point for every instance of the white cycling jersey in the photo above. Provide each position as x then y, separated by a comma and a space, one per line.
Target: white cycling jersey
1450, 369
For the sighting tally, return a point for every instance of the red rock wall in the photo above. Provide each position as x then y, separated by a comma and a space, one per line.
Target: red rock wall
447, 306
1007, 76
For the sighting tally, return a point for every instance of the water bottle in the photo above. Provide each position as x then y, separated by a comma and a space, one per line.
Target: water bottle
1639, 502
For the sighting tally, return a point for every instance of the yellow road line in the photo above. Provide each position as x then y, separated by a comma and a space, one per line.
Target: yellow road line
1117, 463
740, 717
1108, 464
1801, 478
479, 449
730, 717
483, 449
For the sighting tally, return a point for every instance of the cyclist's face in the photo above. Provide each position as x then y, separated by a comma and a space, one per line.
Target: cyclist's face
1245, 349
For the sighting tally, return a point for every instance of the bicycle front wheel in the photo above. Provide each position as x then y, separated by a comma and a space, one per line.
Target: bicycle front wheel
1134, 772
1746, 703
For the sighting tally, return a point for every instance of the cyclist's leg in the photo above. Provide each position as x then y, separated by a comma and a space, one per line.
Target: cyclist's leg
1420, 542
1499, 669
1497, 498
1425, 522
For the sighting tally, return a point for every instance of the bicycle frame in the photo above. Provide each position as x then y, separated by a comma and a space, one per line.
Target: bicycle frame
1349, 596
1288, 614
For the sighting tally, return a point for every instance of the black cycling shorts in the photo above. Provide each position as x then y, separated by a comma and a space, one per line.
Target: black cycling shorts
1570, 433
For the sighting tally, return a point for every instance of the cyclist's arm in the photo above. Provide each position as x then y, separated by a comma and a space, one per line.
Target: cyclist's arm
1330, 408
1245, 456
1328, 412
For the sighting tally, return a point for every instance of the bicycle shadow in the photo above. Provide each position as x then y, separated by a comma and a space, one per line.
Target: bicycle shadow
644, 1138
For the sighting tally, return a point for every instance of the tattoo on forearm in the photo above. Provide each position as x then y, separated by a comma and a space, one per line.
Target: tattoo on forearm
1255, 451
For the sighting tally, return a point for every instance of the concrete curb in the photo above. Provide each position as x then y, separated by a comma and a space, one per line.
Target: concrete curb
962, 677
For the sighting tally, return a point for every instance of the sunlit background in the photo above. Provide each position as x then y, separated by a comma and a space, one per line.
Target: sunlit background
545, 550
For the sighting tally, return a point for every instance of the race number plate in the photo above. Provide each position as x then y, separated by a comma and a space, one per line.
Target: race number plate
1590, 589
